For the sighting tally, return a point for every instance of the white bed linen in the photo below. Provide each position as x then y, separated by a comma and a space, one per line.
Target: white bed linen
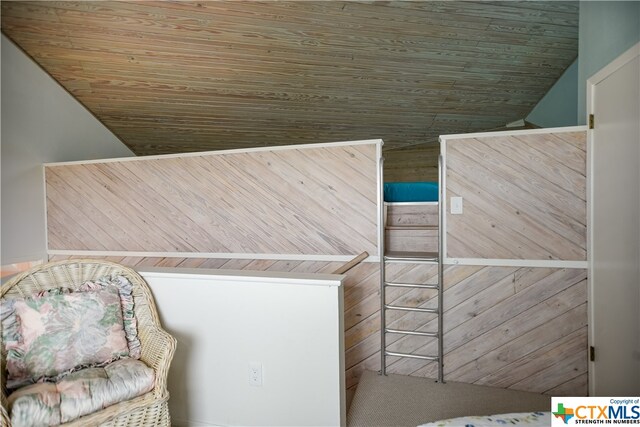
537, 419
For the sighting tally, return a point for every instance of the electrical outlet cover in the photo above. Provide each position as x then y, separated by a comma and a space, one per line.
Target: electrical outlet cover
255, 374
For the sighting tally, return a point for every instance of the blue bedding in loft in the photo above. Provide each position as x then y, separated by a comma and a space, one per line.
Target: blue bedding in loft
410, 191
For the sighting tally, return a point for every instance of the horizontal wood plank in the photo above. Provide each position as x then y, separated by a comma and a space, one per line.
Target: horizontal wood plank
171, 77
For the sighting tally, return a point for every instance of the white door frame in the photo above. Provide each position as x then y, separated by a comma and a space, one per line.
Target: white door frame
601, 75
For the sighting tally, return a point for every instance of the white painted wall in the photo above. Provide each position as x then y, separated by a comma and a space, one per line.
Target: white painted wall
606, 30
559, 107
41, 122
292, 324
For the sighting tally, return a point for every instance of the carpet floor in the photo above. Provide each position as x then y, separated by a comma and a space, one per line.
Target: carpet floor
399, 400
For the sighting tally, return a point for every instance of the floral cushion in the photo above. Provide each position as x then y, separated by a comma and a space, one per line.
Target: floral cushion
125, 290
79, 393
48, 335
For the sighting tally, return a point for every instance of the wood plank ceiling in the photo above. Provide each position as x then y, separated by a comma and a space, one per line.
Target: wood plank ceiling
170, 77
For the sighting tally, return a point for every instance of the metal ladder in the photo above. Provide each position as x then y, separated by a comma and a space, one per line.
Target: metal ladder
422, 258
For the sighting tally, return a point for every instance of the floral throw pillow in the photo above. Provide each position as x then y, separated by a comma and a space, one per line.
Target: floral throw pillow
50, 335
125, 290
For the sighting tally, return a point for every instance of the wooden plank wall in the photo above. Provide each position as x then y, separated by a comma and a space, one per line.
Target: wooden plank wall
417, 163
513, 327
316, 200
411, 227
518, 328
524, 196
510, 327
523, 328
361, 299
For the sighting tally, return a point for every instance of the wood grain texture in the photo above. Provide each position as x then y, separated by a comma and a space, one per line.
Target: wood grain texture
517, 328
411, 239
312, 200
400, 215
418, 163
504, 327
360, 290
411, 227
524, 196
171, 77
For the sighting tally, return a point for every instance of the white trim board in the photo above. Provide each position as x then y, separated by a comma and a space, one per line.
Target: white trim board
592, 299
614, 65
513, 132
227, 276
216, 255
219, 152
543, 263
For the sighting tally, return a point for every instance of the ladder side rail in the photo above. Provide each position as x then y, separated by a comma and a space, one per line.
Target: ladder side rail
441, 255
381, 251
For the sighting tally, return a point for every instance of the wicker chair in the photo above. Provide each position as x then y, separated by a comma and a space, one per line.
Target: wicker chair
157, 346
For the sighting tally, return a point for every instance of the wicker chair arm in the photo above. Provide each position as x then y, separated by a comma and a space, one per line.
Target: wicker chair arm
157, 346
4, 414
157, 352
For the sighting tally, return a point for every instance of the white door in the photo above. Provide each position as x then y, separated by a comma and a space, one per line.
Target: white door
614, 252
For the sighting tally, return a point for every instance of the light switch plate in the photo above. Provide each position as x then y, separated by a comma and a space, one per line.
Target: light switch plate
456, 206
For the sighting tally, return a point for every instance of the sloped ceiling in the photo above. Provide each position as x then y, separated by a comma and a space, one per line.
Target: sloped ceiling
171, 77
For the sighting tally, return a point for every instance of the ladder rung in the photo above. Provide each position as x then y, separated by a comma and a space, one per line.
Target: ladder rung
413, 258
423, 334
411, 285
413, 356
422, 310
411, 227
